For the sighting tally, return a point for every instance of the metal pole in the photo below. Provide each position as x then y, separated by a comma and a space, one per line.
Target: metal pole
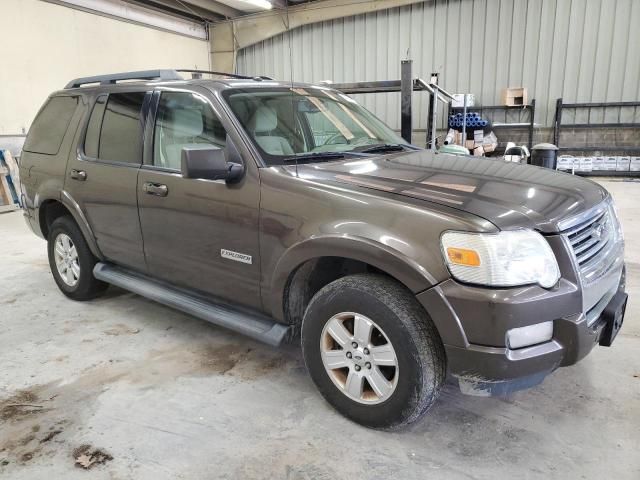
557, 123
434, 110
434, 118
464, 122
430, 118
532, 124
406, 89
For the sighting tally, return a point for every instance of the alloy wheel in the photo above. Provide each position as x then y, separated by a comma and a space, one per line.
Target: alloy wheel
359, 358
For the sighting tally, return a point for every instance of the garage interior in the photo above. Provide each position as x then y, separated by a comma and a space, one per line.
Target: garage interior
139, 390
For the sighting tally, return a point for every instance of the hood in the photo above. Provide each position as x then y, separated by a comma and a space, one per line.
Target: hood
509, 195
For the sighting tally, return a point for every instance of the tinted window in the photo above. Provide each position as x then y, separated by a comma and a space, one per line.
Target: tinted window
92, 138
184, 119
121, 132
283, 122
48, 129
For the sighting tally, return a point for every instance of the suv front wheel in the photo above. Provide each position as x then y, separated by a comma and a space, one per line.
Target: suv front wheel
372, 351
71, 261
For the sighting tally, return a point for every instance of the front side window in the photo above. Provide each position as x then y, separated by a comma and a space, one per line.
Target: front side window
286, 122
48, 129
184, 119
114, 131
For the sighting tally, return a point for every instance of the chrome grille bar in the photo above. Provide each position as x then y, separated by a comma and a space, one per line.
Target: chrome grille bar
590, 237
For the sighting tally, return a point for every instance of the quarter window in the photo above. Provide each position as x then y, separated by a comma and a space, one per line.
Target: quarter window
48, 129
184, 119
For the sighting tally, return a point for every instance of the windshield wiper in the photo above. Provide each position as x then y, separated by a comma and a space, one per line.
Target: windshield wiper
314, 157
385, 147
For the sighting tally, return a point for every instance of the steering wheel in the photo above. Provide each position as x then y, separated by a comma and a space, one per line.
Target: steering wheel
333, 139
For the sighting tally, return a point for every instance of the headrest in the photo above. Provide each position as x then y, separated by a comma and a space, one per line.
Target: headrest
264, 120
186, 122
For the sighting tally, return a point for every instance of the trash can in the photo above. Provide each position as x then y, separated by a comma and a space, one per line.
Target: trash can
544, 155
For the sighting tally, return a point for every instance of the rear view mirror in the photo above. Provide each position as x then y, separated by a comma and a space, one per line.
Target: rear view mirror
208, 162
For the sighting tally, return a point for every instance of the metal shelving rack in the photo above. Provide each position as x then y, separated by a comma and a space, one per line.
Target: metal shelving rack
629, 150
529, 124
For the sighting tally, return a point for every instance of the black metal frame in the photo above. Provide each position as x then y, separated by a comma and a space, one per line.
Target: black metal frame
406, 86
558, 125
531, 107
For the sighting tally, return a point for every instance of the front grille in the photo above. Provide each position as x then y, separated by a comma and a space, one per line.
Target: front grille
597, 246
591, 237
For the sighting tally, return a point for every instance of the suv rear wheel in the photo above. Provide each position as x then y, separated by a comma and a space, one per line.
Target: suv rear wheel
372, 351
71, 261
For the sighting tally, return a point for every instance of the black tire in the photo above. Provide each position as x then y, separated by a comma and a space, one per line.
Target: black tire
87, 286
419, 350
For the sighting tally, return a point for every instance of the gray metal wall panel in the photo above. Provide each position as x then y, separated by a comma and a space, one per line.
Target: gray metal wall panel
581, 50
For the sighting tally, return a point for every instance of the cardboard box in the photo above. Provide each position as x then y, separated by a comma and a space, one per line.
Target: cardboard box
469, 144
598, 163
565, 163
610, 164
515, 96
634, 164
489, 147
478, 137
478, 151
586, 164
623, 164
458, 100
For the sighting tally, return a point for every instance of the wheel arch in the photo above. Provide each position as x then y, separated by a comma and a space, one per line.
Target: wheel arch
310, 265
51, 208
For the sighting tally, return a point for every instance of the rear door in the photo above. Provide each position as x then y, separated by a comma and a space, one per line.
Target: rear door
102, 177
200, 234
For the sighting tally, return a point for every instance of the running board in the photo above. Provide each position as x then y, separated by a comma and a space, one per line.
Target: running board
254, 325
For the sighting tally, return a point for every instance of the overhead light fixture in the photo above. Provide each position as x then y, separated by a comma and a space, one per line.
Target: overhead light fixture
267, 5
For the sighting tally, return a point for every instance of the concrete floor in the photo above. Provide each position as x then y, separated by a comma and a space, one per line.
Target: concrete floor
170, 396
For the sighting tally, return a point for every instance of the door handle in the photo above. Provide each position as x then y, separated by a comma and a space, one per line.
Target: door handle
157, 189
78, 175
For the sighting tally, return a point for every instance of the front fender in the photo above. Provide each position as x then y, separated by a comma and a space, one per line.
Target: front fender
414, 276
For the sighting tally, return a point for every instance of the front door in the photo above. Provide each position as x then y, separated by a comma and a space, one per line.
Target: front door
102, 177
199, 234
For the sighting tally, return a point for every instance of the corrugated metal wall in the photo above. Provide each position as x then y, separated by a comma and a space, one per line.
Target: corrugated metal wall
581, 50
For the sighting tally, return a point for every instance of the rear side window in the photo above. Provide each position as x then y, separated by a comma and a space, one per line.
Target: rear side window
114, 131
48, 129
92, 138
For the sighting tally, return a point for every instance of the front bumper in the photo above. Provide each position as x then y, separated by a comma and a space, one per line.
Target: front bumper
473, 322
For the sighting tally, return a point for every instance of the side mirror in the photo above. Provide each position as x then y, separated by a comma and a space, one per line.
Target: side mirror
209, 162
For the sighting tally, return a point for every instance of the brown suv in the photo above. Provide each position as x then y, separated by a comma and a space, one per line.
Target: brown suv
285, 210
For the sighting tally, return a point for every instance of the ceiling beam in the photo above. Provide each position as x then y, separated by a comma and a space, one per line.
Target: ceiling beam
227, 37
215, 7
177, 8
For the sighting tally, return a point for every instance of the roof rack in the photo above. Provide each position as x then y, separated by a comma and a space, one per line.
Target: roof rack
112, 78
166, 75
222, 74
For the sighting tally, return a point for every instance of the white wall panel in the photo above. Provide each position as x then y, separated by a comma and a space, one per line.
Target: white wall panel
45, 45
581, 50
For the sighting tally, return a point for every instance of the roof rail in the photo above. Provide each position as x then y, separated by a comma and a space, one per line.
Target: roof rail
112, 78
226, 74
166, 75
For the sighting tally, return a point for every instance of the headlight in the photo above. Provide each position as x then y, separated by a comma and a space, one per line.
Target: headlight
504, 259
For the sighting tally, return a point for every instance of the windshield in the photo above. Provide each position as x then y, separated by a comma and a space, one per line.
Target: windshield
285, 123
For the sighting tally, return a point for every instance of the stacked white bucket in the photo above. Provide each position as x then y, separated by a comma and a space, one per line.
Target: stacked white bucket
601, 164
